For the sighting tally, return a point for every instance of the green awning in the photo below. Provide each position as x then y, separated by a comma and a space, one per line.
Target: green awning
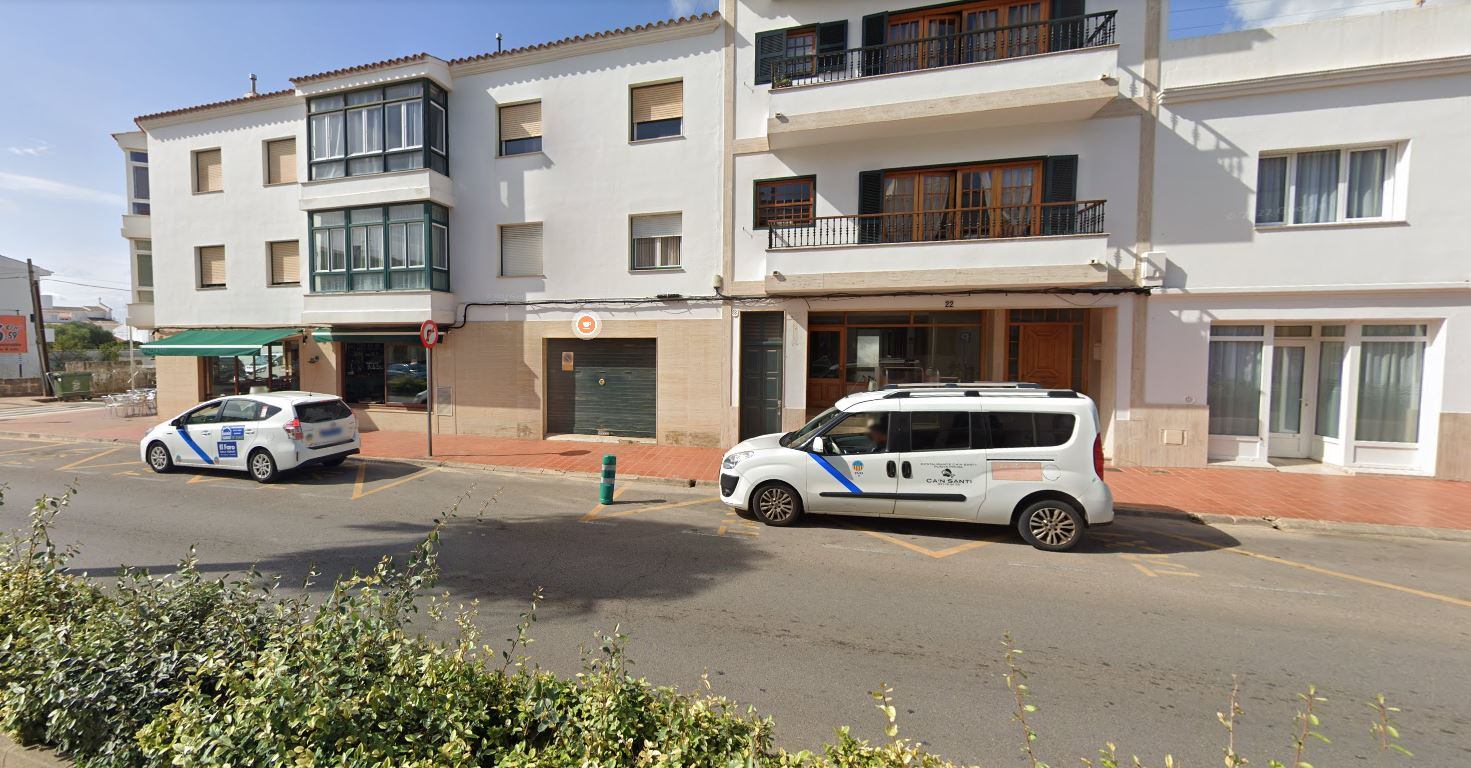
369, 334
217, 342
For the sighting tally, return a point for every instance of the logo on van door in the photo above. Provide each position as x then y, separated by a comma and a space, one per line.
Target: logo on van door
948, 474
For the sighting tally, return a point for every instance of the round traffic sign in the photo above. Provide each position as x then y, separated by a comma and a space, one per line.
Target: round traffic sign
429, 333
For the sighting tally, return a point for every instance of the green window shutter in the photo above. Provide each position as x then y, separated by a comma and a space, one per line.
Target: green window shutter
870, 201
1059, 185
875, 33
769, 48
832, 46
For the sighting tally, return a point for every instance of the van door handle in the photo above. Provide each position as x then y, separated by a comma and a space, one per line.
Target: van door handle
907, 473
891, 469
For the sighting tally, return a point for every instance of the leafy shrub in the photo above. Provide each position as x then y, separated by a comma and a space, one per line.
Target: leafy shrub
185, 670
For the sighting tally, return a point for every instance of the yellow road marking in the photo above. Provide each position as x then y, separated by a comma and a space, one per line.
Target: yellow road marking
926, 551
32, 448
1326, 571
82, 461
657, 507
110, 464
595, 511
743, 527
357, 486
204, 479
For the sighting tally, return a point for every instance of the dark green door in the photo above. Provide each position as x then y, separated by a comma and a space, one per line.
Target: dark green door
608, 391
760, 373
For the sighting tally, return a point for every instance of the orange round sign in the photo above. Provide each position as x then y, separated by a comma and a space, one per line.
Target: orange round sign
587, 325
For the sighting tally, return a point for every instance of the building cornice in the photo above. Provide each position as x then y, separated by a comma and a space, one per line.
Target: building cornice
1347, 288
1301, 81
240, 106
586, 44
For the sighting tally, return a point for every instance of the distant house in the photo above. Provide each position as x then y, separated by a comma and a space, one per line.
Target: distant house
53, 314
15, 302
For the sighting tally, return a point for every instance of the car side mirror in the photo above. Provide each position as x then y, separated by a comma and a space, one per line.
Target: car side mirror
819, 445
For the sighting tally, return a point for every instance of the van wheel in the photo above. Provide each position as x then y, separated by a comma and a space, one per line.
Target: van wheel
263, 466
776, 504
159, 459
1051, 525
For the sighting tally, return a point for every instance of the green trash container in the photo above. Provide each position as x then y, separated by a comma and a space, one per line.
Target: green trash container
68, 386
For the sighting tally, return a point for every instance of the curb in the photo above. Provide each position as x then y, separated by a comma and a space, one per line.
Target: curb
13, 755
1308, 526
671, 481
1279, 523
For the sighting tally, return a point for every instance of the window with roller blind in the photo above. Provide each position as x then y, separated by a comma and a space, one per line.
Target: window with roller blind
281, 161
655, 241
286, 262
657, 110
521, 250
211, 266
520, 128
208, 173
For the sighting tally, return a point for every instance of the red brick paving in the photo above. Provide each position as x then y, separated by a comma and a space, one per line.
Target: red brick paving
664, 461
1377, 499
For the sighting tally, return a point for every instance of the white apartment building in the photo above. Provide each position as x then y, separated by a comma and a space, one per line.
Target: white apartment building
303, 235
20, 356
1244, 247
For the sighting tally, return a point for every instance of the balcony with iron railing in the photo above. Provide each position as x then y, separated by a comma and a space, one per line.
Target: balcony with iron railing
1057, 244
1057, 69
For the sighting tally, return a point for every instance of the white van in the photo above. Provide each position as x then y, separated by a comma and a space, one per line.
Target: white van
1004, 454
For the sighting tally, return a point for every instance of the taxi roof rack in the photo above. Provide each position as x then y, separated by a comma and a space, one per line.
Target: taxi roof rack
975, 389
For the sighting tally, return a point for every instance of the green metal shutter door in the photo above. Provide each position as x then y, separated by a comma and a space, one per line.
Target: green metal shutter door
761, 351
610, 390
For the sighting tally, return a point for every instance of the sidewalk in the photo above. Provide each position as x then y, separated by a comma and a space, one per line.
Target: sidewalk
1247, 494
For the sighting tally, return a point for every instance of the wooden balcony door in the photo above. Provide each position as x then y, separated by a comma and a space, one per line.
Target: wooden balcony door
999, 200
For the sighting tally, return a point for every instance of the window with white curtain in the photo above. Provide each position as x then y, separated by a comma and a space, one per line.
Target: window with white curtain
1391, 368
1324, 186
656, 240
1330, 386
1234, 382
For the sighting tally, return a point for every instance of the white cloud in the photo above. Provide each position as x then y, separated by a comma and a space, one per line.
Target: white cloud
1261, 13
38, 149
691, 7
15, 182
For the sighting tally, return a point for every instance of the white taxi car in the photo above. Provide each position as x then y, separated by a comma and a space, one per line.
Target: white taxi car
262, 434
1005, 454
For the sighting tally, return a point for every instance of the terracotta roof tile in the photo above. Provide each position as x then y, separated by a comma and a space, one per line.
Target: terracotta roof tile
414, 57
409, 59
212, 105
592, 36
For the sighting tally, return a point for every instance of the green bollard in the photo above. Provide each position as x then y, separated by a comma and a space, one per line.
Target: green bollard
610, 471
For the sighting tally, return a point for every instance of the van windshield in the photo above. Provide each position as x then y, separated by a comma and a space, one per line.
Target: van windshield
808, 429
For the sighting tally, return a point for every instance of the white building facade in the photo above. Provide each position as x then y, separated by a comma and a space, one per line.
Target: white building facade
1243, 247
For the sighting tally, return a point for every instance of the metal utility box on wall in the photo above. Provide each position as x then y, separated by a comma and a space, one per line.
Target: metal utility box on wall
610, 389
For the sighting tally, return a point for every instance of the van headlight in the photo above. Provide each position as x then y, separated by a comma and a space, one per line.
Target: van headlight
732, 459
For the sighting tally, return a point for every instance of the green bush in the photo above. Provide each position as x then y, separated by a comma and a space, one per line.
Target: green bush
189, 671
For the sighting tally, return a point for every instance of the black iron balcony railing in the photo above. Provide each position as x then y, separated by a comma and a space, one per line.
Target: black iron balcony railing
988, 44
1084, 217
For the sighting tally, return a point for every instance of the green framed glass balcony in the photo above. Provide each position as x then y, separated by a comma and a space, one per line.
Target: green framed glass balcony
381, 248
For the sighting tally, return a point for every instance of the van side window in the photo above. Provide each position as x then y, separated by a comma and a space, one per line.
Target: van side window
1021, 429
939, 431
858, 433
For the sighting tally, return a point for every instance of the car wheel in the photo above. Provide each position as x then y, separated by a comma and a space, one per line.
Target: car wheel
263, 466
336, 461
1051, 525
776, 504
159, 459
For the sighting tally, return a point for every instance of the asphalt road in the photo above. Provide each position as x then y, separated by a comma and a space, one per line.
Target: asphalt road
1133, 638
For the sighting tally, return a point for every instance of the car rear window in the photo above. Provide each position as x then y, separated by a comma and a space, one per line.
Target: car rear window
325, 410
1024, 429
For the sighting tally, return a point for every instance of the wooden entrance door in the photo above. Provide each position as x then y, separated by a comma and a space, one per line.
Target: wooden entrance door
1045, 356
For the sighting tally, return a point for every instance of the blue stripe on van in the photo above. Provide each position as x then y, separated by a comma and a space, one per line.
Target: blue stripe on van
835, 473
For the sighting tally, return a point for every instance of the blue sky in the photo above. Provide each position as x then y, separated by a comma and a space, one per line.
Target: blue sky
73, 72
